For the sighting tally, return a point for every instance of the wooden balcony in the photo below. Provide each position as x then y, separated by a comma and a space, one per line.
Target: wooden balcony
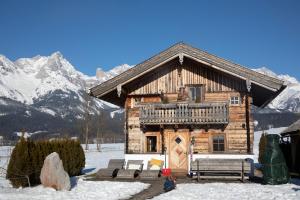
184, 113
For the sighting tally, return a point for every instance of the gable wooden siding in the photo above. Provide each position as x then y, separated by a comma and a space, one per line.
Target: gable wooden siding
166, 79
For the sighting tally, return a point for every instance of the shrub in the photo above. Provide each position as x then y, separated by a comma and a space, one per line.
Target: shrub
28, 157
262, 146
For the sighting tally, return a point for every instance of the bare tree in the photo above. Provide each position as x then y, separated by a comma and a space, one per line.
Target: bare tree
99, 136
98, 139
86, 120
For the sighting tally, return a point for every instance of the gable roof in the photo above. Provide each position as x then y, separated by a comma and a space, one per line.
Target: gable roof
273, 85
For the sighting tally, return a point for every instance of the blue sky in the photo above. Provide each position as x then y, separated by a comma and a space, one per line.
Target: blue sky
104, 34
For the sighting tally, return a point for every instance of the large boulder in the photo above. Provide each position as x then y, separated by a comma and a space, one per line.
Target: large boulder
53, 173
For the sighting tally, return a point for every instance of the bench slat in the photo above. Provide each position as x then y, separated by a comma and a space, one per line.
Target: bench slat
221, 168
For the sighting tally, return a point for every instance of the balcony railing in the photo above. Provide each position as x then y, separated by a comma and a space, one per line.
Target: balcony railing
184, 113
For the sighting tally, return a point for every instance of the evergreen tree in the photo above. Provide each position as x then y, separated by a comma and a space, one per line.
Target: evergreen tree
262, 147
28, 157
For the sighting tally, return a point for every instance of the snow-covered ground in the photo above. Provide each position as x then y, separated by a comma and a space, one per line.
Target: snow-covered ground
120, 190
95, 160
86, 190
83, 190
232, 191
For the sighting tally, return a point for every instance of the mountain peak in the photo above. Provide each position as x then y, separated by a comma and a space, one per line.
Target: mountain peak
57, 54
266, 71
105, 75
4, 59
2, 56
5, 64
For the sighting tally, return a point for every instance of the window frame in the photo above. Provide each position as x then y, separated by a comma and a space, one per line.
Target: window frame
235, 102
197, 88
156, 144
213, 144
135, 101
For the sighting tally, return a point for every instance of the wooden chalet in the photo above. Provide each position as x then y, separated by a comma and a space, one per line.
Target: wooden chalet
188, 104
292, 147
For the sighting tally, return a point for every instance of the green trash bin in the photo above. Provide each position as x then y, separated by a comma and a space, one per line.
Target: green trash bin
275, 170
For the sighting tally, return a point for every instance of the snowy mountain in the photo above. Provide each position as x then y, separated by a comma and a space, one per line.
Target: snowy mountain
289, 98
50, 85
104, 76
47, 93
27, 79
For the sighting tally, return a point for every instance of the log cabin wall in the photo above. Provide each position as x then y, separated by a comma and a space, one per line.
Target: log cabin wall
167, 79
135, 137
235, 132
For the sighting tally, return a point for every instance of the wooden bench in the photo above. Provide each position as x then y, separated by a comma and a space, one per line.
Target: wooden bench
221, 168
130, 172
114, 165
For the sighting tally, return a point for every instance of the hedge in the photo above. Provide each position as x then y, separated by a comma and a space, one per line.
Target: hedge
28, 157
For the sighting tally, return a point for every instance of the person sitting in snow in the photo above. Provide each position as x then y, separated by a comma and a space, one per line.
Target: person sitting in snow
170, 183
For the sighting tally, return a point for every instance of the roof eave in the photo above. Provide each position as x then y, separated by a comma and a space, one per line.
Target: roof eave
274, 96
270, 83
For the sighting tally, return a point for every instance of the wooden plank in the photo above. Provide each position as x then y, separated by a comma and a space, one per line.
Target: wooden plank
220, 177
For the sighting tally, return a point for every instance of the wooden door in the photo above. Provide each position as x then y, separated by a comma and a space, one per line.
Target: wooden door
178, 150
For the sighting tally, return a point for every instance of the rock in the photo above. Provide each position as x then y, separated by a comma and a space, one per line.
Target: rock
53, 173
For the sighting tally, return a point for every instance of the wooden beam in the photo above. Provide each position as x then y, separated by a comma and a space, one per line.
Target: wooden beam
248, 123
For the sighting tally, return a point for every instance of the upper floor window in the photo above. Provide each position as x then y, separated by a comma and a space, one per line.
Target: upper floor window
234, 100
196, 93
137, 100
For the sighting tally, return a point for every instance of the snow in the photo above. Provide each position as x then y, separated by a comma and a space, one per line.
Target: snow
5, 152
257, 135
96, 160
232, 191
82, 190
112, 114
28, 134
27, 79
28, 113
2, 102
289, 98
106, 75
122, 190
30, 78
286, 78
47, 110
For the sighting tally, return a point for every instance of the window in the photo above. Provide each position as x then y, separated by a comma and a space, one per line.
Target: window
138, 100
235, 100
151, 144
196, 93
218, 143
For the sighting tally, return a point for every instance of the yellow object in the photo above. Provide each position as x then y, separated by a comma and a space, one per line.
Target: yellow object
155, 162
